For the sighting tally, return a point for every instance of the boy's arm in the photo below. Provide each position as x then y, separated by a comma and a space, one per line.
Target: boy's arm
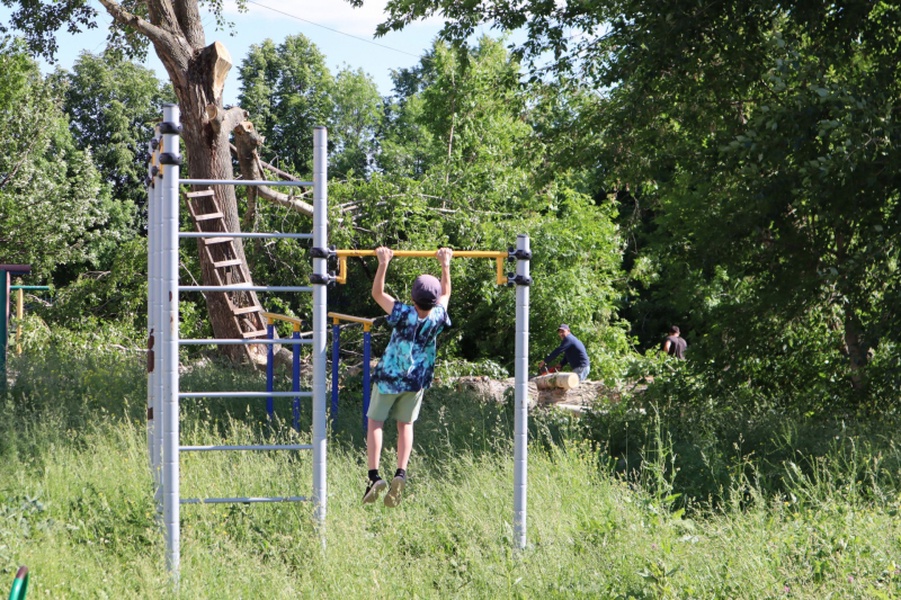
383, 299
444, 257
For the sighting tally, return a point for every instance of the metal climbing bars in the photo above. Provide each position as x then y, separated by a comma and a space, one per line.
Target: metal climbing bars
163, 395
163, 392
499, 258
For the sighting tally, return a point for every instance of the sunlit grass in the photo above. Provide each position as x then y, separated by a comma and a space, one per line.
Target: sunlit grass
77, 507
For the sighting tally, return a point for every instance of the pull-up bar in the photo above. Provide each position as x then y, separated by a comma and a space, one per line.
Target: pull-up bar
499, 257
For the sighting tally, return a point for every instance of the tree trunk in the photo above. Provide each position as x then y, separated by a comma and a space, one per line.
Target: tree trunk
198, 73
564, 381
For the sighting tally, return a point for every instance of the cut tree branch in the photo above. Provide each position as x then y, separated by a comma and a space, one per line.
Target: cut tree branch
247, 144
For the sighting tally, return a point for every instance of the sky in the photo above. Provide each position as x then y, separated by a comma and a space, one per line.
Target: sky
345, 36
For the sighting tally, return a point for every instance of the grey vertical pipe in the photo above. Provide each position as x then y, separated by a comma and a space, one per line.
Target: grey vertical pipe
320, 268
169, 343
151, 330
521, 395
159, 314
152, 316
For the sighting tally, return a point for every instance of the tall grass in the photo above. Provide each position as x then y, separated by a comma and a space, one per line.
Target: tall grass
77, 507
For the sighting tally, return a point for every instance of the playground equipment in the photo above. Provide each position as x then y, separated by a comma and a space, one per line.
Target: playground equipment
499, 258
20, 307
6, 273
271, 318
336, 351
164, 395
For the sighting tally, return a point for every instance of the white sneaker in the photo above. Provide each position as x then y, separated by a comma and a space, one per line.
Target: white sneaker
373, 490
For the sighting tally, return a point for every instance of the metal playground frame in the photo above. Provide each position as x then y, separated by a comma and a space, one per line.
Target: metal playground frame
163, 392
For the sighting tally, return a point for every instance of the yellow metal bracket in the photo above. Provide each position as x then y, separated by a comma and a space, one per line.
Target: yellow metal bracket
271, 318
338, 317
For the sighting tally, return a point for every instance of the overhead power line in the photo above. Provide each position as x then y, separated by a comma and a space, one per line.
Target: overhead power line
364, 40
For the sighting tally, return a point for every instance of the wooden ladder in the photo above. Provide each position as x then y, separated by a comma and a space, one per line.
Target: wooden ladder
228, 269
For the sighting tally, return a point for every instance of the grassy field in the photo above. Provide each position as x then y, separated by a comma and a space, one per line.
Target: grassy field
76, 506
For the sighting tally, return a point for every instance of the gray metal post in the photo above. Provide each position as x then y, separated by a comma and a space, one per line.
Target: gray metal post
4, 326
169, 159
153, 316
320, 269
521, 393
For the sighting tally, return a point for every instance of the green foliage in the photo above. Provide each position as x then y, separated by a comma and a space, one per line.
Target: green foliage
288, 90
113, 105
54, 209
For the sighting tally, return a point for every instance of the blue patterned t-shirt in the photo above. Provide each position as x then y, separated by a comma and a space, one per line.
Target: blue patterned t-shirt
409, 360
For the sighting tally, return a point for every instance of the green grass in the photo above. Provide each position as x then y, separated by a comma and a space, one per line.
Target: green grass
76, 506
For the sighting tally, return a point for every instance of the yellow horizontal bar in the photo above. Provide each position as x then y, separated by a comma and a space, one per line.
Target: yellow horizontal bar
338, 317
426, 253
271, 317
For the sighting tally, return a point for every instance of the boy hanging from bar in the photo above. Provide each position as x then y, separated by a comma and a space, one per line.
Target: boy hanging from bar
405, 370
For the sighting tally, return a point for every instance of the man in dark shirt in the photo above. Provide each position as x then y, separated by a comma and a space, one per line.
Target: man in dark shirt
674, 345
573, 352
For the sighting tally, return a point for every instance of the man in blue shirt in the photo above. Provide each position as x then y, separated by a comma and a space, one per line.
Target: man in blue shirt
405, 370
573, 352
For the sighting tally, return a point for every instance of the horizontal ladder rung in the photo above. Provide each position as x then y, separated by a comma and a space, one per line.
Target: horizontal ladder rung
259, 236
254, 334
243, 500
216, 240
200, 194
228, 263
245, 287
245, 394
247, 309
264, 447
209, 216
237, 342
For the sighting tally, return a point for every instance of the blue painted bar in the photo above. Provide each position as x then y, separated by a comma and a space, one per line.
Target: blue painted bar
270, 370
295, 381
336, 344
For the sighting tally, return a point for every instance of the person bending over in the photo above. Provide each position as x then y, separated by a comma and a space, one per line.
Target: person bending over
573, 352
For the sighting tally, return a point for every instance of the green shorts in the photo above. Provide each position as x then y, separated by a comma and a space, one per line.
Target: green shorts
403, 407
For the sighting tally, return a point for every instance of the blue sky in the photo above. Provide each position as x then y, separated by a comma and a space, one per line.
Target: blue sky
345, 36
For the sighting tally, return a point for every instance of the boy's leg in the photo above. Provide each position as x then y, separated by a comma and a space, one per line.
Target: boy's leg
374, 431
404, 448
379, 406
373, 453
404, 444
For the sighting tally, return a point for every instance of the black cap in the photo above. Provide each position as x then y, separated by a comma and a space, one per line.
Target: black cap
426, 291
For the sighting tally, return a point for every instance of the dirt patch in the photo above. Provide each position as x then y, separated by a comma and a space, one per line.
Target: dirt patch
575, 399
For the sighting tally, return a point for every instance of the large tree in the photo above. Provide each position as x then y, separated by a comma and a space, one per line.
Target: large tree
755, 140
197, 71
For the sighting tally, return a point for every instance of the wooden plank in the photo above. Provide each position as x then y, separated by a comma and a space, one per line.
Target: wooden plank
209, 216
228, 263
200, 194
216, 240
